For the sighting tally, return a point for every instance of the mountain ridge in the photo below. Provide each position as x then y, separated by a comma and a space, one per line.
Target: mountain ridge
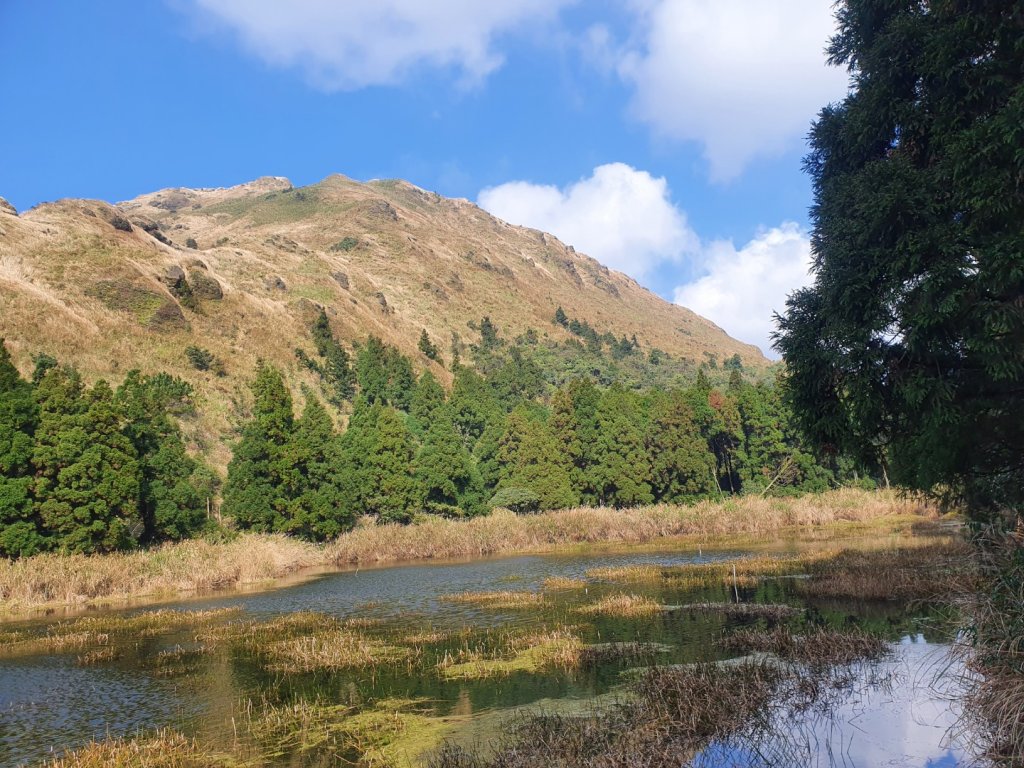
242, 271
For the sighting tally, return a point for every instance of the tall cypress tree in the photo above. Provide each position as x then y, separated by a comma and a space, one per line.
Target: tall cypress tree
316, 509
532, 460
170, 506
682, 467
88, 479
255, 493
393, 493
622, 467
427, 398
21, 530
451, 482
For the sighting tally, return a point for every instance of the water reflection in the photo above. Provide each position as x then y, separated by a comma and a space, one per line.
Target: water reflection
47, 702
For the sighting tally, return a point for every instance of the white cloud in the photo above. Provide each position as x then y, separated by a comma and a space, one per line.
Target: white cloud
619, 215
742, 288
343, 44
745, 79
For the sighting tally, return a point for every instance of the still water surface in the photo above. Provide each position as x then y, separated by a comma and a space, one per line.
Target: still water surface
49, 702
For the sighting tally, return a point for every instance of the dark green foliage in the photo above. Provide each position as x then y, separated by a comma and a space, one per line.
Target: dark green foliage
473, 404
392, 491
313, 478
447, 473
621, 470
191, 243
516, 380
347, 243
43, 363
20, 527
121, 223
682, 466
384, 374
426, 399
561, 318
88, 479
574, 424
204, 360
734, 363
909, 347
426, 346
336, 367
489, 340
531, 459
256, 491
170, 504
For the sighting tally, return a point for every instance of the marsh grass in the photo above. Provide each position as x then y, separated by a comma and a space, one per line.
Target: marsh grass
163, 749
498, 600
506, 652
331, 651
560, 583
926, 570
768, 611
817, 647
385, 733
200, 566
623, 606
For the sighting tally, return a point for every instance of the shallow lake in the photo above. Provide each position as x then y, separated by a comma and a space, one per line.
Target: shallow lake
59, 698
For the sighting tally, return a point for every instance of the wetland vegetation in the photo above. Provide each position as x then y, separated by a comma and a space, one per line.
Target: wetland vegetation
617, 664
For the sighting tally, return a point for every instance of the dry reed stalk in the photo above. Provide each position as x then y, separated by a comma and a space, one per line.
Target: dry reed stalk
197, 565
625, 606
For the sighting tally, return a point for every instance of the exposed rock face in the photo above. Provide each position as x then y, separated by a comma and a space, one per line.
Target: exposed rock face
341, 279
6, 207
275, 283
173, 275
204, 286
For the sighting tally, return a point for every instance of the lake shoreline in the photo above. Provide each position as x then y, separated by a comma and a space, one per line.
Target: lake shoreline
53, 583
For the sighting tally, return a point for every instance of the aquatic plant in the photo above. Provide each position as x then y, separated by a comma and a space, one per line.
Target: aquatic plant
626, 606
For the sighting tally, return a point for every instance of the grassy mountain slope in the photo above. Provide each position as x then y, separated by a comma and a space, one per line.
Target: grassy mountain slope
94, 284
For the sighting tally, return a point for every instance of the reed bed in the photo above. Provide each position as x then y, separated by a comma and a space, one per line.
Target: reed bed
189, 566
163, 749
562, 583
817, 647
332, 651
504, 532
623, 606
509, 652
930, 571
498, 600
768, 611
198, 566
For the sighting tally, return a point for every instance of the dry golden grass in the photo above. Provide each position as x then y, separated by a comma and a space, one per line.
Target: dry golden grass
930, 570
558, 583
164, 749
499, 600
332, 650
556, 648
194, 566
190, 566
504, 532
626, 606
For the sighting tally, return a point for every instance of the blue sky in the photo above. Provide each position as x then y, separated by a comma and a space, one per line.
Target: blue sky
663, 137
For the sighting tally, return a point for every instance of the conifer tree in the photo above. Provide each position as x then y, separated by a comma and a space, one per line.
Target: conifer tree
622, 468
87, 476
20, 527
393, 493
428, 396
473, 404
336, 369
314, 486
371, 371
451, 482
531, 459
682, 467
426, 346
573, 422
255, 491
401, 381
170, 506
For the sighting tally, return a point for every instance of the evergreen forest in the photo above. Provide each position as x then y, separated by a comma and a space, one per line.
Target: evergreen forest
97, 469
